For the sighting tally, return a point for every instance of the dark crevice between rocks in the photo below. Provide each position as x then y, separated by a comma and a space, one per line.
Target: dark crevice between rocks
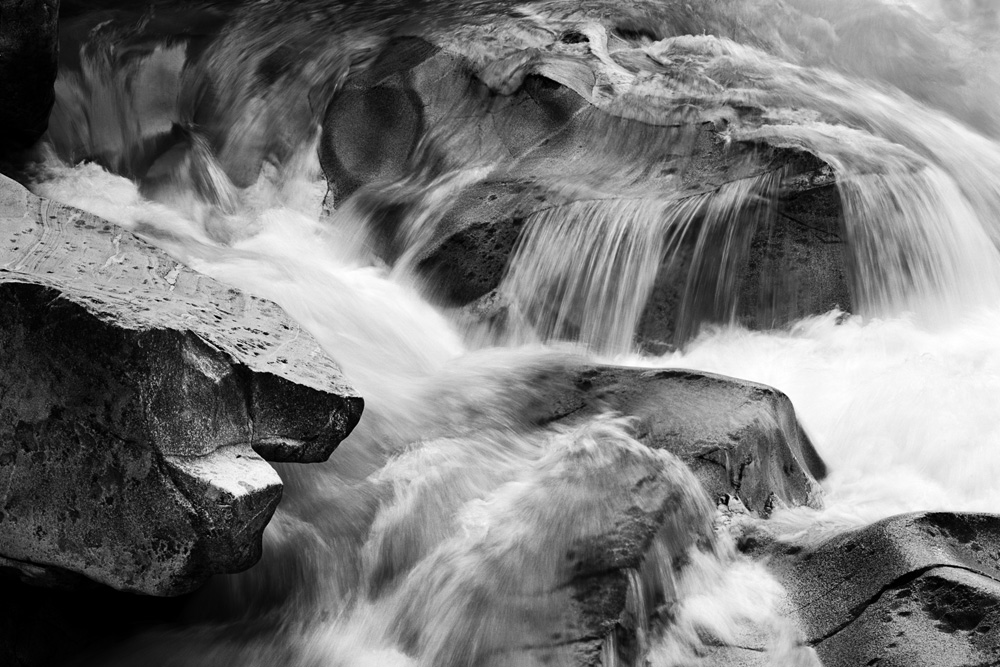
244, 378
737, 482
900, 582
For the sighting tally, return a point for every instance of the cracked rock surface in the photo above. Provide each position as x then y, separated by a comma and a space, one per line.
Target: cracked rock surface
913, 590
137, 399
740, 438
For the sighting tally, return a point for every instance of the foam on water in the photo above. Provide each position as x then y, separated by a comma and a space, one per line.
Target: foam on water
904, 414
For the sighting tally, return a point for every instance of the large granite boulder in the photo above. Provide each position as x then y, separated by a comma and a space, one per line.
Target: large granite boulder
28, 50
137, 398
913, 590
740, 438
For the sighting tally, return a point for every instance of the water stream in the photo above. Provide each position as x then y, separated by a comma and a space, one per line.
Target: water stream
431, 536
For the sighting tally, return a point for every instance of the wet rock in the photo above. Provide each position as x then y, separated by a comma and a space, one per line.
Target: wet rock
546, 143
137, 400
371, 127
915, 589
740, 438
797, 264
585, 581
121, 451
945, 617
794, 265
28, 49
473, 243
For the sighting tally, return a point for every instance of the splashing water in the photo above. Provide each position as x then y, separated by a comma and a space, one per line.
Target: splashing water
435, 534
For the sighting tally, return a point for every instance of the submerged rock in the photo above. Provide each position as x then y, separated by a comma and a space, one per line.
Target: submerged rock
740, 438
911, 590
138, 398
562, 565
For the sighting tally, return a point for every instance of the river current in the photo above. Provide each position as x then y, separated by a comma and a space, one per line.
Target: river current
409, 545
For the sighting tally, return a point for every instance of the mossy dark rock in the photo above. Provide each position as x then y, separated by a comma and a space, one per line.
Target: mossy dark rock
28, 53
58, 626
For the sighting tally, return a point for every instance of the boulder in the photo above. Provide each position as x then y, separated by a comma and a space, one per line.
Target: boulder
581, 590
916, 589
740, 438
137, 398
28, 51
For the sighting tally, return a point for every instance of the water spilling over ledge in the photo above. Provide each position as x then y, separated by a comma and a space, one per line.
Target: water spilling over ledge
511, 226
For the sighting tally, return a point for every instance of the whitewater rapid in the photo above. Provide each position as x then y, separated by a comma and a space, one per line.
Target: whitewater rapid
902, 411
446, 485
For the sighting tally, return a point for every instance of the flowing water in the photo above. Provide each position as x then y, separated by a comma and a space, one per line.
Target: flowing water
434, 534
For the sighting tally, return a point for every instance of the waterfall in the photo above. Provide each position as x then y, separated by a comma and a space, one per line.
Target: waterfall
596, 292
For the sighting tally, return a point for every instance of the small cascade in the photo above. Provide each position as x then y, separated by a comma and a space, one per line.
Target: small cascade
584, 271
946, 264
731, 218
919, 241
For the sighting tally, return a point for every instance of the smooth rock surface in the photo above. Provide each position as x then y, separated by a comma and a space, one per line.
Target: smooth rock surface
915, 589
740, 438
133, 394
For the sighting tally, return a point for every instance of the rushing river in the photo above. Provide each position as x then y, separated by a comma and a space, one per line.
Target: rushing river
413, 544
